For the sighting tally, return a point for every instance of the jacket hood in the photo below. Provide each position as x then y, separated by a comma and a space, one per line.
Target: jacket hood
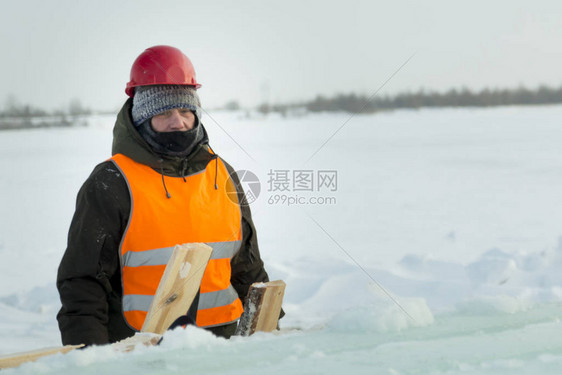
128, 141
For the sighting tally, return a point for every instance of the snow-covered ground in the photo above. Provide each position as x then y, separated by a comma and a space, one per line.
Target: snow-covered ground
456, 213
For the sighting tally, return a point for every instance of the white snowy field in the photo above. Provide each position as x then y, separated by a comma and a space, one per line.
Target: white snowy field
455, 212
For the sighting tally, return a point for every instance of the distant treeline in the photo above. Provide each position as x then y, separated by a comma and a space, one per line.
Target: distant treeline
453, 98
17, 116
24, 116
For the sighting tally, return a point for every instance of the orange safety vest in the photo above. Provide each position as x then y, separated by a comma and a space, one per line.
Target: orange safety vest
196, 212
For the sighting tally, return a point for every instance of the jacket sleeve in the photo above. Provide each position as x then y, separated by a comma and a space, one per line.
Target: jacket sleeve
91, 258
247, 265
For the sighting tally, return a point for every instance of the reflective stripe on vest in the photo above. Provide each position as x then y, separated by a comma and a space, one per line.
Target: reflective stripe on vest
196, 212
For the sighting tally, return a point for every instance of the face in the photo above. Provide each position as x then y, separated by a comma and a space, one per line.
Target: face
173, 120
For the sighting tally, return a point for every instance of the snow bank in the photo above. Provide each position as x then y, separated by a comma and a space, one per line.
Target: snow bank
384, 316
191, 338
43, 300
493, 304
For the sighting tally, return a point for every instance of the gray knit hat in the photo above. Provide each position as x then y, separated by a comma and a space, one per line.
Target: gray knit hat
152, 100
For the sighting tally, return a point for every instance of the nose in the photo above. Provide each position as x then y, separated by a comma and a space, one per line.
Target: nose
177, 121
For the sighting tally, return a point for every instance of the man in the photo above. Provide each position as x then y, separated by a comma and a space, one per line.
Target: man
163, 186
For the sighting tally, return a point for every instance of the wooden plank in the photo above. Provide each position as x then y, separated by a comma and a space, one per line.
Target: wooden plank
262, 308
140, 338
14, 360
178, 286
268, 316
176, 291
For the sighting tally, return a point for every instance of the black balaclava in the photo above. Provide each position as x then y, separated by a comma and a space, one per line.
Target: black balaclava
177, 143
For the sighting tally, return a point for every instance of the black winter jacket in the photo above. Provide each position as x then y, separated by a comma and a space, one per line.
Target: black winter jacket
89, 275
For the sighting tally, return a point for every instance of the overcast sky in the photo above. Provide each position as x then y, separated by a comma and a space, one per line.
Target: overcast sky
253, 51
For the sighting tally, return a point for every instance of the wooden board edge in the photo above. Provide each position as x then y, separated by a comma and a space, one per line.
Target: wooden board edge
17, 359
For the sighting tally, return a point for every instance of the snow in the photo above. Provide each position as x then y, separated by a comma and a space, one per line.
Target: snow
441, 255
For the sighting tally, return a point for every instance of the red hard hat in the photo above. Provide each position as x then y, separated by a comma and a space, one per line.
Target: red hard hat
161, 65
